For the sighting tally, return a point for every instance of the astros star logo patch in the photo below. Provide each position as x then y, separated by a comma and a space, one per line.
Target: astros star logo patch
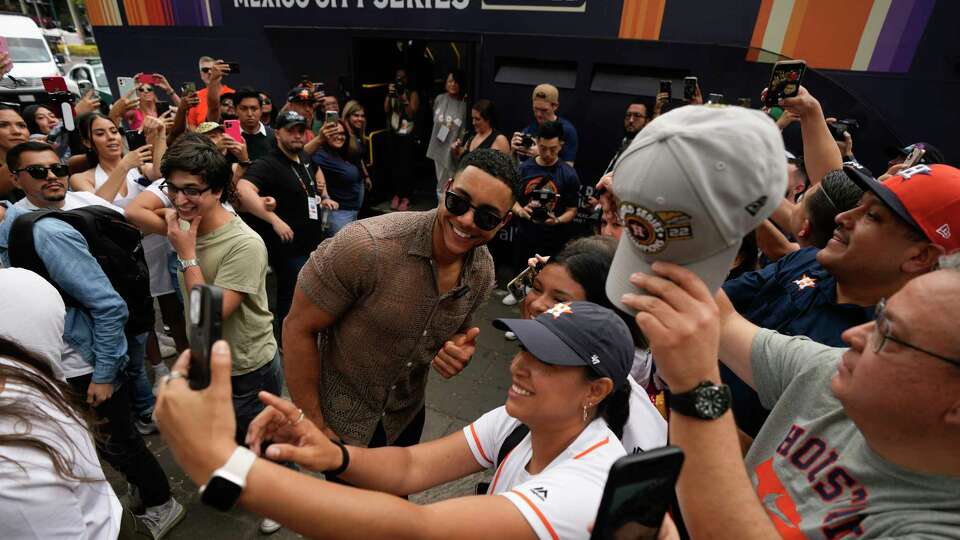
805, 282
559, 309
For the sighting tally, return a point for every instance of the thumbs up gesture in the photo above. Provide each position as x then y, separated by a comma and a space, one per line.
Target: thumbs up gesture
456, 353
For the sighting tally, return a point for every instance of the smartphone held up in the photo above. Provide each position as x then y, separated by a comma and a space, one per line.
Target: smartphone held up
785, 80
206, 308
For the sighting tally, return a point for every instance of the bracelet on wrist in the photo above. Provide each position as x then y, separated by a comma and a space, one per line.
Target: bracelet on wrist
345, 462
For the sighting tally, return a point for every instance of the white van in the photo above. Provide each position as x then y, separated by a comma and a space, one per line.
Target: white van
31, 57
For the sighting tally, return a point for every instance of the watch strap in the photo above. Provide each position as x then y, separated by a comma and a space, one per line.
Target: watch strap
187, 263
236, 468
690, 403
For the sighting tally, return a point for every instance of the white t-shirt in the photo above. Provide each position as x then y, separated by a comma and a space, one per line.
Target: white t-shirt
560, 501
31, 314
646, 428
38, 503
74, 199
134, 188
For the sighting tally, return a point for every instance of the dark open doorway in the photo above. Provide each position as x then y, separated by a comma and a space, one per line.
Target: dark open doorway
375, 61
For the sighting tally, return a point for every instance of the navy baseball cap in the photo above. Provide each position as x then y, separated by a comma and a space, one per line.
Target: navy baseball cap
577, 334
300, 93
288, 119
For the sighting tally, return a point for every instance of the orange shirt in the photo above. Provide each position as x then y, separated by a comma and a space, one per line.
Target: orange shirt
198, 114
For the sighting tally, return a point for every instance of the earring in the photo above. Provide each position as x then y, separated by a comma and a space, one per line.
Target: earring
585, 411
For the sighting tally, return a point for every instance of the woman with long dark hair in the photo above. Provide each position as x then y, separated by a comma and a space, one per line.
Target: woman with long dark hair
51, 482
339, 181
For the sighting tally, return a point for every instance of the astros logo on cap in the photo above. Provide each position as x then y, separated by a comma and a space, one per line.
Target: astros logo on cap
559, 309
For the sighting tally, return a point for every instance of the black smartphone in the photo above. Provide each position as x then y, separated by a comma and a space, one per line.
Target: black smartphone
689, 88
785, 80
526, 141
666, 87
234, 67
518, 286
638, 492
206, 307
135, 139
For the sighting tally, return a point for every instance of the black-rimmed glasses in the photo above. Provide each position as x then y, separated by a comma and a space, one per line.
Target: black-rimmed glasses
884, 334
171, 190
40, 172
482, 218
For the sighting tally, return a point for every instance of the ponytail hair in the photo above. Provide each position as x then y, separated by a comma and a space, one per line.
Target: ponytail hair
615, 408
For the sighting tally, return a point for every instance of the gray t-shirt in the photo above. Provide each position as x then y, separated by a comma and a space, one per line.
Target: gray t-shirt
814, 472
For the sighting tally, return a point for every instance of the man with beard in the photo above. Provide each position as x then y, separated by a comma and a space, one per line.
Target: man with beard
388, 293
634, 120
295, 226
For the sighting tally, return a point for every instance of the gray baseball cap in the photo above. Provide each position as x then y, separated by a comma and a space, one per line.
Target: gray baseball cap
691, 185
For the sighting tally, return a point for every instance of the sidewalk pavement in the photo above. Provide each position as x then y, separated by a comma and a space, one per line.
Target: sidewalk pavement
451, 405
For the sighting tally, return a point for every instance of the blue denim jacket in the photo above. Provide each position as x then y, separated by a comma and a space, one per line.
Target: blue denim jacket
95, 332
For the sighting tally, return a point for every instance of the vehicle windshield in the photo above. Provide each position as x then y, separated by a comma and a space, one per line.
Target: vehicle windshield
27, 50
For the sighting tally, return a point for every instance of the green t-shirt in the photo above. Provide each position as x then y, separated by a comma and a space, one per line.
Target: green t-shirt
814, 472
234, 257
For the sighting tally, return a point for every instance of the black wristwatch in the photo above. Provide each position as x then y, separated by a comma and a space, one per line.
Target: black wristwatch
708, 401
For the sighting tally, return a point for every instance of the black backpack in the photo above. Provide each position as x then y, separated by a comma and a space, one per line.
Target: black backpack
113, 242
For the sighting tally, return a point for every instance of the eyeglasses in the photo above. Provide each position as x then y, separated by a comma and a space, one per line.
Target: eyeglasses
40, 172
144, 89
171, 190
483, 218
884, 334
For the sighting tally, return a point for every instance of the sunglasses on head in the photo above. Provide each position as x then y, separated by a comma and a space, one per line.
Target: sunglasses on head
40, 172
482, 218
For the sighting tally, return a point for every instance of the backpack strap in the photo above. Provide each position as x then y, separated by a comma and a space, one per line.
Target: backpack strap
511, 442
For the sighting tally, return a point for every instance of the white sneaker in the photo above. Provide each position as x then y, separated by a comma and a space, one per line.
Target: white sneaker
145, 425
509, 336
166, 351
160, 519
509, 300
269, 526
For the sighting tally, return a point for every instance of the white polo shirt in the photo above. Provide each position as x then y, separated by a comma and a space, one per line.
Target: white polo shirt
560, 501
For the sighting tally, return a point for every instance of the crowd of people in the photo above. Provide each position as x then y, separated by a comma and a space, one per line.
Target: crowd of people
781, 316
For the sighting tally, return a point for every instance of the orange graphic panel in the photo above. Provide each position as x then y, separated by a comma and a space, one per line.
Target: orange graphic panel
641, 19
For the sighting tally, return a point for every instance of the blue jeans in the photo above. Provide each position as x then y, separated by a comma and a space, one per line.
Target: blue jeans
141, 397
339, 219
246, 387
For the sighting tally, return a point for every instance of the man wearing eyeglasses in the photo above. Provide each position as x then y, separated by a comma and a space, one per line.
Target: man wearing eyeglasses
387, 293
634, 120
861, 441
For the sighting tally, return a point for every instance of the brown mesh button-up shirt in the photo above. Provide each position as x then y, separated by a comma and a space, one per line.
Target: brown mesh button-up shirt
378, 279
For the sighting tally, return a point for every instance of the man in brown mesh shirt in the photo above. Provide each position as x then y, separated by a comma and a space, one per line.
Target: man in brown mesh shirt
384, 296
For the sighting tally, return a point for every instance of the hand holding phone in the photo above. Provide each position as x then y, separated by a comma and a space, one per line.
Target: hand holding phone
232, 129
785, 80
127, 87
206, 307
637, 494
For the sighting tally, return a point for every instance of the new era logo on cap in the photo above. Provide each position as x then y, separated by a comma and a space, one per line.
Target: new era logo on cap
944, 230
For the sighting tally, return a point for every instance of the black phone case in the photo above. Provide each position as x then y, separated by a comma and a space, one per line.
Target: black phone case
660, 463
204, 333
776, 89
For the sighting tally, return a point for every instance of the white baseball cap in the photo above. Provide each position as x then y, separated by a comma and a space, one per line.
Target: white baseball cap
691, 185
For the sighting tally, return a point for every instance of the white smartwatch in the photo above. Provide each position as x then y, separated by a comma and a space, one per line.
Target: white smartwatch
224, 487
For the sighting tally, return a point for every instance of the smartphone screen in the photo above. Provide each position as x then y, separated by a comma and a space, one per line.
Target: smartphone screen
126, 86
54, 84
689, 88
188, 88
232, 129
206, 305
331, 117
518, 286
666, 87
637, 495
785, 80
915, 156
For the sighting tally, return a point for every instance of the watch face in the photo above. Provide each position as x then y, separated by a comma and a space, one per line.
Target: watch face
712, 401
220, 493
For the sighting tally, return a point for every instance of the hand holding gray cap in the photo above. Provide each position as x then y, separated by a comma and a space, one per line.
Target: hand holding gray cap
691, 185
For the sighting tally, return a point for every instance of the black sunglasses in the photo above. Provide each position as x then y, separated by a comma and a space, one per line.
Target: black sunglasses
171, 190
40, 172
204, 70
483, 218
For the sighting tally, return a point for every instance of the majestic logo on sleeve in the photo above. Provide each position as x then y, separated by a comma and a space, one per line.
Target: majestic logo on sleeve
540, 492
651, 231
